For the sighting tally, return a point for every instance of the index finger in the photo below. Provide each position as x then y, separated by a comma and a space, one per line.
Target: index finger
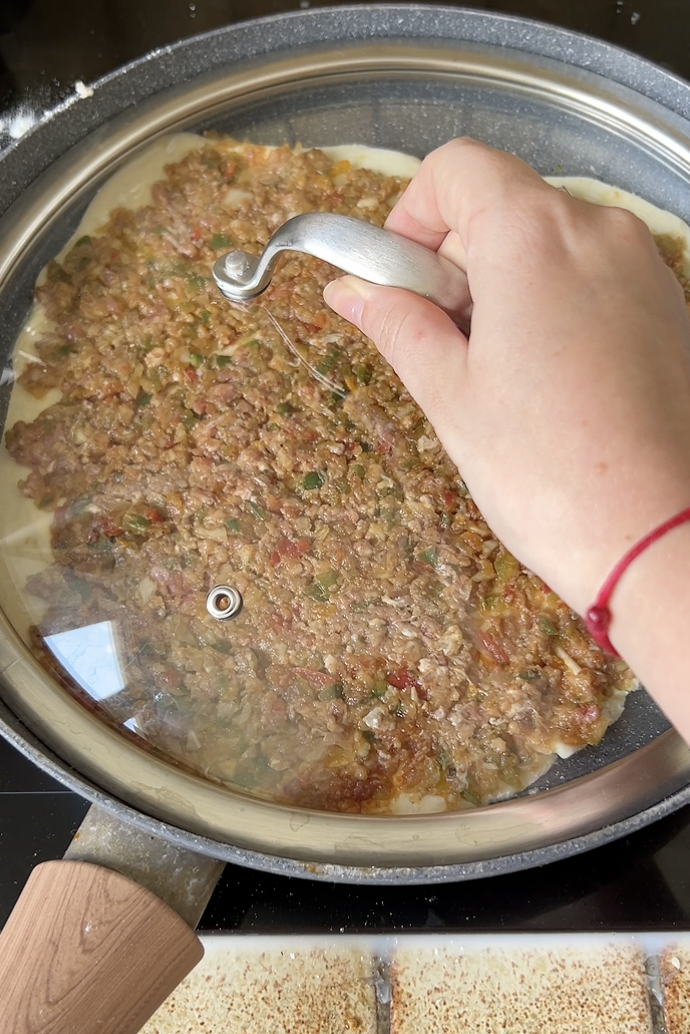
452, 185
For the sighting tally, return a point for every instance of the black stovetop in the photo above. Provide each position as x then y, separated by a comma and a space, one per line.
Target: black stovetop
639, 883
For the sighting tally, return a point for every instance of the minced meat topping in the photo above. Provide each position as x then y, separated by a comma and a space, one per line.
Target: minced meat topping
389, 648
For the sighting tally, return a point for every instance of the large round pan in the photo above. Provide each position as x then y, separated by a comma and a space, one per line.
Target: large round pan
406, 78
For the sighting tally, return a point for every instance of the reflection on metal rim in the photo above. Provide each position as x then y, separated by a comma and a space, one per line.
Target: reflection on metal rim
325, 843
187, 801
178, 108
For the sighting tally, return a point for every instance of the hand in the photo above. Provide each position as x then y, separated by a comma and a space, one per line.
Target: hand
567, 408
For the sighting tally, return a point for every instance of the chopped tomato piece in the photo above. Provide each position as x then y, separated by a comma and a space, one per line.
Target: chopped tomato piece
403, 678
154, 515
102, 527
288, 547
316, 679
493, 648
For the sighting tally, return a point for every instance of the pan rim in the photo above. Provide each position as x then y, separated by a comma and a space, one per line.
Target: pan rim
391, 844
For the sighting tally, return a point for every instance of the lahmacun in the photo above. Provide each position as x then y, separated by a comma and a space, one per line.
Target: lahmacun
391, 655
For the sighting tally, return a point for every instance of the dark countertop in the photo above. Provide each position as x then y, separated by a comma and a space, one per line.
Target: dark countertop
45, 47
641, 882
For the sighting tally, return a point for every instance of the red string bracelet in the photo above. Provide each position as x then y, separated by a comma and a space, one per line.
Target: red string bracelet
598, 617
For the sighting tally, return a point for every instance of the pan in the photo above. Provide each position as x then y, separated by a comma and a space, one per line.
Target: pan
405, 78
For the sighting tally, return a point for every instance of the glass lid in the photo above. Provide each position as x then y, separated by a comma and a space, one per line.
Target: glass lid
227, 530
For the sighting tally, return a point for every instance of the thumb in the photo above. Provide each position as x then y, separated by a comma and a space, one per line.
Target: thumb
419, 340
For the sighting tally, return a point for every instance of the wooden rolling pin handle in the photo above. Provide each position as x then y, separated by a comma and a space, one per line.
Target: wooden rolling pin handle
87, 951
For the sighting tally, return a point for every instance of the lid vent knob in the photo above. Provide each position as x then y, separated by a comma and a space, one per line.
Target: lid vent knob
224, 602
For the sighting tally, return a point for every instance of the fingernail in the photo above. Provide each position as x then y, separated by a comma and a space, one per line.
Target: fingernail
347, 297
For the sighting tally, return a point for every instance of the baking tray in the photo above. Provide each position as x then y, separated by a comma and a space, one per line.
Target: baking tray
637, 982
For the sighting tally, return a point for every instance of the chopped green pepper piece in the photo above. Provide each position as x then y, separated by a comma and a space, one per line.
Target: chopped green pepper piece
429, 556
79, 505
328, 580
137, 522
319, 589
317, 592
314, 479
331, 692
328, 362
546, 626
219, 240
256, 510
493, 604
506, 566
472, 796
198, 281
531, 675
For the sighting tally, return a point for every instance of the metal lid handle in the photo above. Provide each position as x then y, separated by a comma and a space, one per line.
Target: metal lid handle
367, 251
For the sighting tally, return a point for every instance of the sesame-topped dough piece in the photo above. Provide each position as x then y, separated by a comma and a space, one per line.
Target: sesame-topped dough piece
674, 972
590, 989
248, 986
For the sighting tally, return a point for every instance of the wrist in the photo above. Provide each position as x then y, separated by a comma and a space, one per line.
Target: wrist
598, 617
605, 529
649, 622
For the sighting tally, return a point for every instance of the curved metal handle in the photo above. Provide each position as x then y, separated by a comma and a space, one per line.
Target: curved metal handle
356, 247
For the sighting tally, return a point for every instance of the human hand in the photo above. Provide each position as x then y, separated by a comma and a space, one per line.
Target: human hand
567, 407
